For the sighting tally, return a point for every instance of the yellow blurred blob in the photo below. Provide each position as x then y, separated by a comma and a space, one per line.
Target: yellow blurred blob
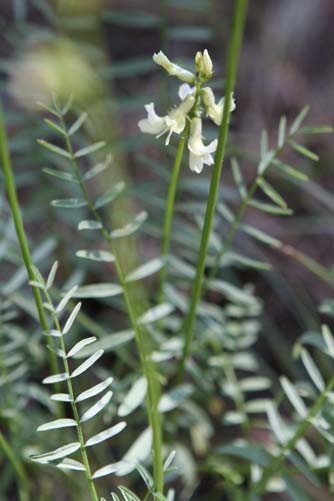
81, 7
58, 68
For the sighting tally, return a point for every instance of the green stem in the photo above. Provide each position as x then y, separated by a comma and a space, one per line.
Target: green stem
232, 62
166, 234
276, 465
15, 209
17, 467
75, 411
230, 235
153, 392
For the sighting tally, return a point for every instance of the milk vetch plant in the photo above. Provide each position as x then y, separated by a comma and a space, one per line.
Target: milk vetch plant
186, 119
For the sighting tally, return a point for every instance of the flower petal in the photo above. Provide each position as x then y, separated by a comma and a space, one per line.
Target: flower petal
208, 159
153, 124
195, 163
186, 90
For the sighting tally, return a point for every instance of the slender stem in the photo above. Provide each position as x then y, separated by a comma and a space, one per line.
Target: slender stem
230, 235
232, 62
17, 466
22, 239
148, 368
88, 472
166, 234
276, 465
164, 47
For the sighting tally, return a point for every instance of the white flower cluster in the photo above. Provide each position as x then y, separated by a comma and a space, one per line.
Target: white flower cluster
194, 101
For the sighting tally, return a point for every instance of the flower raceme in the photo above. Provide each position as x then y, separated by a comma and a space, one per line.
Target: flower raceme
194, 102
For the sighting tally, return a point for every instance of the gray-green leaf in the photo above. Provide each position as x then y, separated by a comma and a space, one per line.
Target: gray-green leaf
145, 270
130, 228
54, 148
96, 255
61, 452
133, 398
96, 408
81, 344
94, 390
92, 148
89, 224
110, 195
69, 203
106, 434
98, 290
87, 364
58, 423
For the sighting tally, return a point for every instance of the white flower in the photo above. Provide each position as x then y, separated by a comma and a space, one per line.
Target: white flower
153, 124
213, 110
173, 69
185, 90
175, 121
199, 154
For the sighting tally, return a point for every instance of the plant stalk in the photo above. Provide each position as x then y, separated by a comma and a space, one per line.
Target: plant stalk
17, 467
22, 239
166, 233
232, 62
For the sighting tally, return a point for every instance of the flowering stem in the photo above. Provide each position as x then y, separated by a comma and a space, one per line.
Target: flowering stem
166, 234
170, 204
22, 239
232, 61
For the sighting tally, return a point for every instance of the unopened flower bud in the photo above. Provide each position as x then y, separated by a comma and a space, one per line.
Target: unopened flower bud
207, 65
203, 65
199, 62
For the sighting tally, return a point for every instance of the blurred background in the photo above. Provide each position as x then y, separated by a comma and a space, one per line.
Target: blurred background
102, 51
105, 48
